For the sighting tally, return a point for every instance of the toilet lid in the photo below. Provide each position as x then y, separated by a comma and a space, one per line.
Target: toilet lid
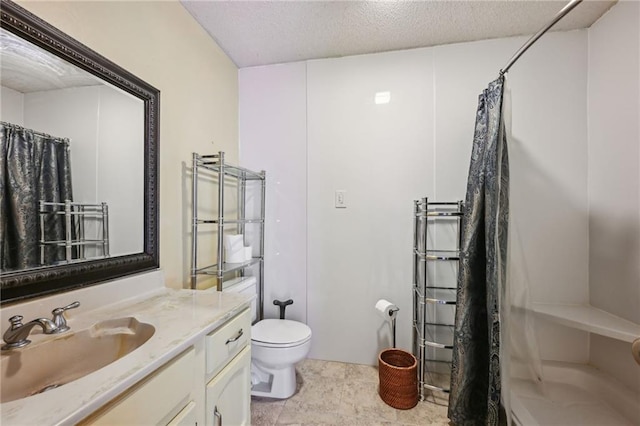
277, 331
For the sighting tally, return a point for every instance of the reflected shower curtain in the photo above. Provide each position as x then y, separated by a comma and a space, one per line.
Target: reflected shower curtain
479, 347
33, 167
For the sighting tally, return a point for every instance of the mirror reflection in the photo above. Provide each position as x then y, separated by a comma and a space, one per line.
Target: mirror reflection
71, 162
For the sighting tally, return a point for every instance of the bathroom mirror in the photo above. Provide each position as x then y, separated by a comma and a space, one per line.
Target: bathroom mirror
58, 93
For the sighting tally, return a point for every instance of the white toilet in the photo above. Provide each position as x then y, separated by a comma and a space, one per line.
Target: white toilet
276, 346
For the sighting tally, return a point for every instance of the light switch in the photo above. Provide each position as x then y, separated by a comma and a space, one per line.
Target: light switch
341, 202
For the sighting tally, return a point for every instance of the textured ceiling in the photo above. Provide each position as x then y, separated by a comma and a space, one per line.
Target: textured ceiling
27, 68
269, 32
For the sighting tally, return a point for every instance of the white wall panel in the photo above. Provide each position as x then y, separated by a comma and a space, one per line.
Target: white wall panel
273, 137
548, 157
119, 175
462, 72
70, 113
385, 156
560, 343
547, 148
11, 106
614, 161
614, 180
382, 156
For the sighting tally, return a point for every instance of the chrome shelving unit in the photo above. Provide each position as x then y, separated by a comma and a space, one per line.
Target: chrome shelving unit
74, 217
215, 163
434, 290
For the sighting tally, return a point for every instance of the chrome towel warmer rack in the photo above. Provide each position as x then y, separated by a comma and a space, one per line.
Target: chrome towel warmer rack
75, 241
432, 326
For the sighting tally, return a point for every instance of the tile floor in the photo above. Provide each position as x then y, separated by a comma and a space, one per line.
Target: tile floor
336, 393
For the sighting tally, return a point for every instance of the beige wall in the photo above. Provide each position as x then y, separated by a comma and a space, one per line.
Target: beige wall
161, 43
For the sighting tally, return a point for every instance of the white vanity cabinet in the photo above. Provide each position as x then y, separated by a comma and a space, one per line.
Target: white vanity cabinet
208, 383
228, 394
228, 373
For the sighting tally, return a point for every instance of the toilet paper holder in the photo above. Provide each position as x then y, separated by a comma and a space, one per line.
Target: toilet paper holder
389, 311
393, 325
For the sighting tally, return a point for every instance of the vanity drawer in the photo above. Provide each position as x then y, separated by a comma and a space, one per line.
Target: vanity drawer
155, 400
186, 417
226, 342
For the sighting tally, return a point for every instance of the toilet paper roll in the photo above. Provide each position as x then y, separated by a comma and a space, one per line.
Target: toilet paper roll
248, 254
234, 248
387, 309
233, 242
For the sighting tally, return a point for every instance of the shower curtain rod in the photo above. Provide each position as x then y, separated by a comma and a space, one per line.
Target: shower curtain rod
45, 135
568, 8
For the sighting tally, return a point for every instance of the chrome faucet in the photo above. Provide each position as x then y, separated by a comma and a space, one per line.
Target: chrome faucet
16, 335
58, 318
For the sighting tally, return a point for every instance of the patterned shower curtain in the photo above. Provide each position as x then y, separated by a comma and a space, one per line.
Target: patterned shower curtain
480, 337
33, 167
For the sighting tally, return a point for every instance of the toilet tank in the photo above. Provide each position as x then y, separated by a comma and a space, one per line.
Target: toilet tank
244, 285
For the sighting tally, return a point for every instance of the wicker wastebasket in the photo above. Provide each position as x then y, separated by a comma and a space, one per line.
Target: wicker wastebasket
398, 378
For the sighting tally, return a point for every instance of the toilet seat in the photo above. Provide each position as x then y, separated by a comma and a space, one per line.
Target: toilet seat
279, 345
277, 333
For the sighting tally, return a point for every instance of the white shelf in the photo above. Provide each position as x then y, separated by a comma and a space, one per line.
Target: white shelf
588, 318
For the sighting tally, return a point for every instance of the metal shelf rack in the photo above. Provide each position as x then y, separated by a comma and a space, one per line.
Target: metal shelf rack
215, 163
435, 223
75, 242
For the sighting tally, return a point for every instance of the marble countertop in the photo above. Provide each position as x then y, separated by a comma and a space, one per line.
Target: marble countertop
180, 317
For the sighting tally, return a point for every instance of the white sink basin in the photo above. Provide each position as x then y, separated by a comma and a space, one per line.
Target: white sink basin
52, 363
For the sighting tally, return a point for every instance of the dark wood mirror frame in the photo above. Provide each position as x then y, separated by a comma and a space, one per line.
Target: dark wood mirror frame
40, 281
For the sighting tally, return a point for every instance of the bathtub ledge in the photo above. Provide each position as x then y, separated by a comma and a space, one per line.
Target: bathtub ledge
588, 318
